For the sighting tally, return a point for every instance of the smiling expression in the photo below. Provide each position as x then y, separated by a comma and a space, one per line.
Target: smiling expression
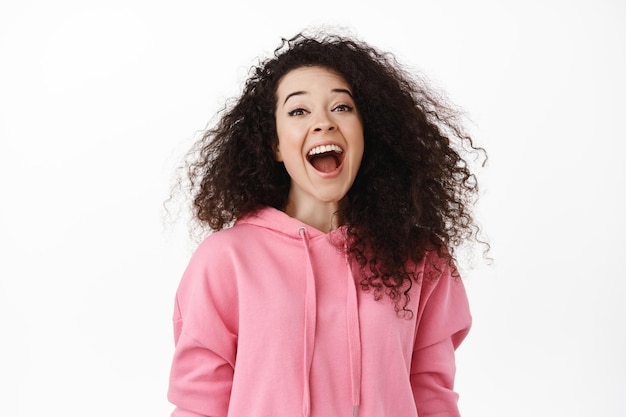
320, 137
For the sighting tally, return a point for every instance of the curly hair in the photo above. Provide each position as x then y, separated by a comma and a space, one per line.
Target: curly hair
413, 192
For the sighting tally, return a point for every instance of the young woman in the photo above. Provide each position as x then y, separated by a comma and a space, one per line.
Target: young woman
329, 287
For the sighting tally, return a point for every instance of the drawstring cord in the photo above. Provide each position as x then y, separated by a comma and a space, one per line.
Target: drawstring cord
310, 317
354, 339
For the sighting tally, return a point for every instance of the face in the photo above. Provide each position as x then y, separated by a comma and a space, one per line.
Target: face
320, 136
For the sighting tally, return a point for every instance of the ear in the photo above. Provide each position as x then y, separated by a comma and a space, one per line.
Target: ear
277, 156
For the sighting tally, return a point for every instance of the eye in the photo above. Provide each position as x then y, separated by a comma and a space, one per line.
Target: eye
343, 107
297, 112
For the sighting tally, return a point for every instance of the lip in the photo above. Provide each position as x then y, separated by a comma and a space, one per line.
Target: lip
334, 172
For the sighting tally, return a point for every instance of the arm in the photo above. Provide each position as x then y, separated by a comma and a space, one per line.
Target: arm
442, 324
205, 336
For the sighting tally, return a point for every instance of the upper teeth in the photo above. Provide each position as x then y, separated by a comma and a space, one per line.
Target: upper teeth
324, 149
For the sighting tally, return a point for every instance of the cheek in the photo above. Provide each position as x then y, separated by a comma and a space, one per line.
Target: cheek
358, 142
289, 140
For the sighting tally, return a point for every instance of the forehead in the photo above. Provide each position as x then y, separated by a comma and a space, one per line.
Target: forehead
310, 78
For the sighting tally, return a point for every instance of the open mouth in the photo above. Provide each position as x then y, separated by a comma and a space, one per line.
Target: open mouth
325, 158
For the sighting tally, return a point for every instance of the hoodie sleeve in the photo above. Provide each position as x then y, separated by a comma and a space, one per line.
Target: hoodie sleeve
205, 336
443, 322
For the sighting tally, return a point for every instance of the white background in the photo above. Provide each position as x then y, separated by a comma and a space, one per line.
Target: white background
99, 100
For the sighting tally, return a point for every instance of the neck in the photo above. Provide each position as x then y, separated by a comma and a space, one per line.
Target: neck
322, 216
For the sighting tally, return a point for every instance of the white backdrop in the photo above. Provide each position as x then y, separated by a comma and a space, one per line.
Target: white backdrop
99, 100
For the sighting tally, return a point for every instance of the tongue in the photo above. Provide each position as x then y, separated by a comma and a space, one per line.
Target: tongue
327, 162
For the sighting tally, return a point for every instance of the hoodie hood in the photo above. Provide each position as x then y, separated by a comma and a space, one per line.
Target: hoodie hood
279, 222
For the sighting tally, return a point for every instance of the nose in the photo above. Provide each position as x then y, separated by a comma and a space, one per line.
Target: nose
323, 123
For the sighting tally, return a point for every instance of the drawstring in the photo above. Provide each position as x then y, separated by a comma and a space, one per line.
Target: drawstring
354, 339
353, 331
310, 317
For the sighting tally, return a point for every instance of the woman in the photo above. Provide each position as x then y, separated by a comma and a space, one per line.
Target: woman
329, 288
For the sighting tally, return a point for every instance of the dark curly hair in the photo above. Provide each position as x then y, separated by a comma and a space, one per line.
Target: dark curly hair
413, 192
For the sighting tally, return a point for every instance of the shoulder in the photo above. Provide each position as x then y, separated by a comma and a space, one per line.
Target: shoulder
227, 250
439, 283
214, 254
224, 241
435, 267
443, 305
210, 277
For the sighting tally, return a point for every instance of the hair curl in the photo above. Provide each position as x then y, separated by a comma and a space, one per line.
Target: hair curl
413, 192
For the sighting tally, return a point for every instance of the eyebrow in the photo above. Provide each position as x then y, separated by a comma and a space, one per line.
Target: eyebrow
334, 90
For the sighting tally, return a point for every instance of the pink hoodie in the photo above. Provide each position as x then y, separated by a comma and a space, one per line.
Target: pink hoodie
270, 322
